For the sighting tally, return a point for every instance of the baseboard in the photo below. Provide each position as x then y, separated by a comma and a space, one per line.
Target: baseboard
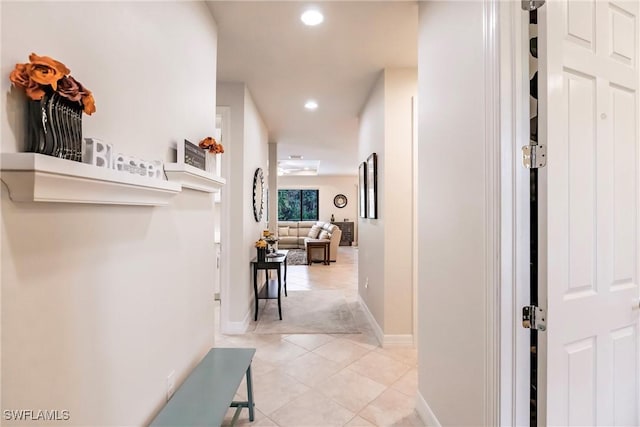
398, 341
385, 340
236, 328
372, 321
425, 412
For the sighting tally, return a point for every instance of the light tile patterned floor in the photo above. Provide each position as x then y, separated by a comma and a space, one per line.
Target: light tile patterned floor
329, 380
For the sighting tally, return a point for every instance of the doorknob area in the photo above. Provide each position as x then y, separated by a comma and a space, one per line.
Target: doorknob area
636, 305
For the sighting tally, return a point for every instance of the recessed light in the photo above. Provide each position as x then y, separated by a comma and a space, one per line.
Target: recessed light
311, 105
295, 157
312, 17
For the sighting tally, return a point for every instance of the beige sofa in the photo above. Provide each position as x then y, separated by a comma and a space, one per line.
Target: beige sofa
295, 235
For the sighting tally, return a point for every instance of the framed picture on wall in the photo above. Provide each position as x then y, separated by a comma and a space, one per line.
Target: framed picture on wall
372, 186
362, 190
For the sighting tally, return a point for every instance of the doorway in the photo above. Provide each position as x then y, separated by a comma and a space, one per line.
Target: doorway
588, 371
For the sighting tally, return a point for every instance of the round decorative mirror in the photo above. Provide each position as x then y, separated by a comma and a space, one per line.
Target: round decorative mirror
340, 201
258, 194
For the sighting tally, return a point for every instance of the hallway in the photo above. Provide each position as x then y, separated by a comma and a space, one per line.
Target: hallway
328, 379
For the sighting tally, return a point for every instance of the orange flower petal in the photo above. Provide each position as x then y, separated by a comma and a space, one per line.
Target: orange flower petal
50, 62
89, 104
35, 92
19, 76
43, 75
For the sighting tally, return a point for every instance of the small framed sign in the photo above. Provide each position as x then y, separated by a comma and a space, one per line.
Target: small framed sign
192, 155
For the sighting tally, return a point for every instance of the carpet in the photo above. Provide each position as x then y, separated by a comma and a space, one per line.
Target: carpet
308, 312
297, 257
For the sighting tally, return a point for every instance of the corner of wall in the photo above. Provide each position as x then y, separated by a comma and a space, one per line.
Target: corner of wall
372, 320
425, 412
231, 327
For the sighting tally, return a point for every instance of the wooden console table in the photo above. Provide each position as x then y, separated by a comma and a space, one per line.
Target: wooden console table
269, 263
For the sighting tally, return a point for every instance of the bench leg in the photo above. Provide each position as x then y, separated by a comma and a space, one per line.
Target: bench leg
250, 393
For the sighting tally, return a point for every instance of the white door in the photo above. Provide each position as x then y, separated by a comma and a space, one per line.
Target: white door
589, 102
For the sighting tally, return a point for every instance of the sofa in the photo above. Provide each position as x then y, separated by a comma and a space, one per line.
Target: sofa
295, 235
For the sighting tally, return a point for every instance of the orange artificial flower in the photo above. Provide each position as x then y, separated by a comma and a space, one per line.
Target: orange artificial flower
19, 76
208, 142
211, 144
89, 103
45, 70
45, 60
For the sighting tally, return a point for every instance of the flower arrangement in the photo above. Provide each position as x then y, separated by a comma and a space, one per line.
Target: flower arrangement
269, 237
261, 244
212, 145
44, 75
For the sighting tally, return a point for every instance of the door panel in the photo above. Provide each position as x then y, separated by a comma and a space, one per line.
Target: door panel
622, 23
581, 361
589, 107
579, 103
625, 388
579, 28
624, 204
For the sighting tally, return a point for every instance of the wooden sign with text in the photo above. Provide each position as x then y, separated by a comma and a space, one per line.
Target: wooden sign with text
194, 155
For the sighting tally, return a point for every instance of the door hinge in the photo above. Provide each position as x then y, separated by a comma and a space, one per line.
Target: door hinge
533, 318
534, 156
531, 5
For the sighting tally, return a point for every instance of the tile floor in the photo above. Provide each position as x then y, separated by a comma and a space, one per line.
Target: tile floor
328, 380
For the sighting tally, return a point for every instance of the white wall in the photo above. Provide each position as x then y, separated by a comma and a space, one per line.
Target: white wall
385, 259
451, 286
249, 150
273, 183
101, 303
401, 85
329, 187
371, 236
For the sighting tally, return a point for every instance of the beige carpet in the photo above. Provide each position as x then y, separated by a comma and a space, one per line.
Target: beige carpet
307, 312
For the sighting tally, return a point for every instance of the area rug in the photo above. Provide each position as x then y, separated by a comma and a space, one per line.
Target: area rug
297, 257
307, 312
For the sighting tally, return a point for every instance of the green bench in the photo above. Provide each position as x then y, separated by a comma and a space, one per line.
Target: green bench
207, 393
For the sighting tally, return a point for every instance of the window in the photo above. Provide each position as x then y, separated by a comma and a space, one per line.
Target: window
297, 205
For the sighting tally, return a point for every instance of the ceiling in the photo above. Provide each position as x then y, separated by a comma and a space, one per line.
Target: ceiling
284, 63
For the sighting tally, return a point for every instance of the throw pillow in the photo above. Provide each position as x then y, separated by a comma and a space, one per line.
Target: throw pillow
283, 231
313, 233
324, 235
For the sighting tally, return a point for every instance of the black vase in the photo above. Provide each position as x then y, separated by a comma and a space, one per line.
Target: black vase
262, 253
55, 127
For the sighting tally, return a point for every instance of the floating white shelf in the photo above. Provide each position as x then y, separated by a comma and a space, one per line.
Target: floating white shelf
194, 178
38, 178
